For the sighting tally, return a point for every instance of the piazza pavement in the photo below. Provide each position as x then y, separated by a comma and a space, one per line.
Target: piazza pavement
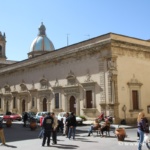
18, 137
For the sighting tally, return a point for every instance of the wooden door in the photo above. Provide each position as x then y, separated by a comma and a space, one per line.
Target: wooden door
135, 99
72, 104
89, 99
44, 104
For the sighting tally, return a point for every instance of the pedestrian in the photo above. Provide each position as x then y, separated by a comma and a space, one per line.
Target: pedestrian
72, 125
54, 131
95, 125
25, 118
47, 126
66, 124
42, 130
143, 128
60, 125
2, 136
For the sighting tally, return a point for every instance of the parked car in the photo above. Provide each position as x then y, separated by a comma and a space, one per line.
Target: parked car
61, 115
39, 115
30, 115
1, 116
12, 117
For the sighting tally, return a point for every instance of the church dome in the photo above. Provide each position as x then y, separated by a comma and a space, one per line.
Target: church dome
42, 42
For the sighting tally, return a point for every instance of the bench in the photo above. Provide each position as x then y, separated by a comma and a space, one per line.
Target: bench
107, 131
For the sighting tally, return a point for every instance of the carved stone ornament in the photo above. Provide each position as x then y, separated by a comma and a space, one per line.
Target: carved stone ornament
71, 78
134, 82
44, 83
56, 82
7, 88
88, 77
111, 64
23, 87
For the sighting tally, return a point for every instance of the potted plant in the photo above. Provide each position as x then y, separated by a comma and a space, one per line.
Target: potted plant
33, 124
8, 122
120, 133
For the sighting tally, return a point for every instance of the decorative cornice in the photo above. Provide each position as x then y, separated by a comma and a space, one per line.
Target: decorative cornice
58, 56
71, 89
130, 49
91, 83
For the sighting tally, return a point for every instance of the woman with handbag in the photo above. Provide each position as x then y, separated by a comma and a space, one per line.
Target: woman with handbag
143, 128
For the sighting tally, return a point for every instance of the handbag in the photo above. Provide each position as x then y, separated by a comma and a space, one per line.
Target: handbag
146, 137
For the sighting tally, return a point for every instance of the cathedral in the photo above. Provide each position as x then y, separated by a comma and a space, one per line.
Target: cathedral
108, 74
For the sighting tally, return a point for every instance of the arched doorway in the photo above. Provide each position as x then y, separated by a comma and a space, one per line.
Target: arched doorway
44, 104
23, 105
72, 104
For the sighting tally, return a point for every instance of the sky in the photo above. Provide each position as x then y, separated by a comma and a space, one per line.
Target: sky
80, 20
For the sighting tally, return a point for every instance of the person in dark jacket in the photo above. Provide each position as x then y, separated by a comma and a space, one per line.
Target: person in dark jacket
72, 125
25, 118
47, 126
143, 128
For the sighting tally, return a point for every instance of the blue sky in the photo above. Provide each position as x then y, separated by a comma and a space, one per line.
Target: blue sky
80, 19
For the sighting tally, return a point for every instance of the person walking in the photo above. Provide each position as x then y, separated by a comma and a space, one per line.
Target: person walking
143, 128
54, 131
66, 124
42, 130
25, 118
47, 126
72, 125
2, 136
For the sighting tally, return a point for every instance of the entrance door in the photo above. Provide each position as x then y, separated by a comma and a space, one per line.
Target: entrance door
44, 104
23, 106
89, 99
72, 104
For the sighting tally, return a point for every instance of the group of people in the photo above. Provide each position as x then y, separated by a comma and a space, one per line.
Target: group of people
49, 126
101, 127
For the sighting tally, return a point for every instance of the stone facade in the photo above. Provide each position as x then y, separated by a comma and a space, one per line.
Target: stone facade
102, 74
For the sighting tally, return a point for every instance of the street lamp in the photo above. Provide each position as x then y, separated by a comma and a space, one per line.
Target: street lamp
124, 108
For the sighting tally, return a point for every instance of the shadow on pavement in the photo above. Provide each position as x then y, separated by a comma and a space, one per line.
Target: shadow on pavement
64, 146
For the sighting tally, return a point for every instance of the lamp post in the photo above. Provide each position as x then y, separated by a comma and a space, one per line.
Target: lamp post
124, 110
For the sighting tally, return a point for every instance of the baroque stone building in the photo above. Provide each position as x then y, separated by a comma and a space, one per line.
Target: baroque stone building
108, 73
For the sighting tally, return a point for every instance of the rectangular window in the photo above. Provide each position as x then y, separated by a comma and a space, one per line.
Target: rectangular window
89, 99
135, 100
32, 102
14, 102
56, 100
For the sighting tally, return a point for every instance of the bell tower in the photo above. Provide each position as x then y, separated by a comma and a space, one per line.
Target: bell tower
2, 46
